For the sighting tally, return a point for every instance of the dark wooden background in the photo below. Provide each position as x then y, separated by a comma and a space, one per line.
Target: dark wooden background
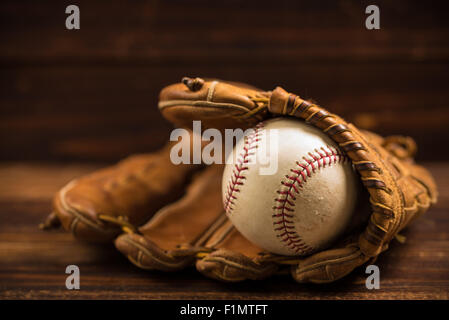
73, 101
91, 94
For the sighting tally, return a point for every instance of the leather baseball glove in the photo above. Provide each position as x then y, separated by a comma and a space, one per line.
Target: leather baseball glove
399, 190
159, 215
171, 216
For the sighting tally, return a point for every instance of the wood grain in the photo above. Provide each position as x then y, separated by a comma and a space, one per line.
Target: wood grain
91, 94
33, 262
243, 31
72, 101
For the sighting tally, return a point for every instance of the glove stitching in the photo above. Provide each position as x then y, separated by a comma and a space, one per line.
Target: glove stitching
229, 262
332, 261
76, 214
209, 232
200, 103
211, 91
174, 263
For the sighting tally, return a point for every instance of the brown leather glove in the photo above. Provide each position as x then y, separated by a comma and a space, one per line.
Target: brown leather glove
98, 206
194, 229
178, 208
399, 190
218, 104
190, 229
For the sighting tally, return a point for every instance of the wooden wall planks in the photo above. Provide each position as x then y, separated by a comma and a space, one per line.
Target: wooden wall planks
91, 94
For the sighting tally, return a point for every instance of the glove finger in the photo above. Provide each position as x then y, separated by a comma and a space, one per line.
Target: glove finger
172, 238
418, 189
96, 206
234, 258
218, 104
329, 265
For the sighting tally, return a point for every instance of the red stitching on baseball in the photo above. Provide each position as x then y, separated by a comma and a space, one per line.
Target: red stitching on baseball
281, 219
237, 173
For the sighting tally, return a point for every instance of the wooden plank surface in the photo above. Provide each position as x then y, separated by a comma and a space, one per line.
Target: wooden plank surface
37, 125
33, 262
91, 94
200, 30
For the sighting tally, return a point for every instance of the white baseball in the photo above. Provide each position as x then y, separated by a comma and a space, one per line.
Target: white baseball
306, 204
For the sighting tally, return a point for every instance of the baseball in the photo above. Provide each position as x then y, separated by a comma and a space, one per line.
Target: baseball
303, 205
